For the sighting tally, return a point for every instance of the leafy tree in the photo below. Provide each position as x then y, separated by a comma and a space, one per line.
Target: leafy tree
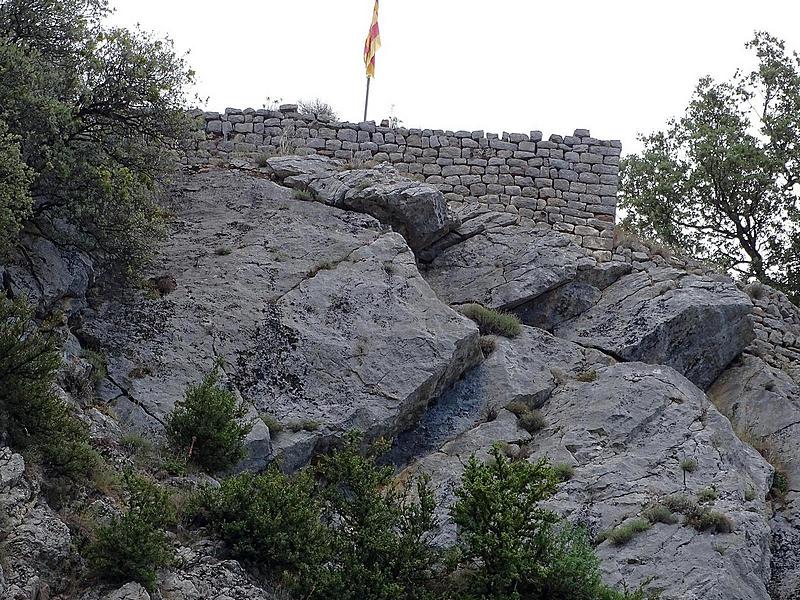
380, 534
96, 111
271, 519
134, 546
15, 177
207, 424
31, 415
721, 183
511, 547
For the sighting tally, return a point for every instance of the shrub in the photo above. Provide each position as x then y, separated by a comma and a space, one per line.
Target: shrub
98, 111
563, 471
488, 344
271, 519
206, 424
274, 426
15, 197
700, 517
512, 548
622, 534
380, 533
318, 108
492, 322
689, 465
710, 520
587, 376
532, 421
30, 412
659, 513
303, 195
134, 545
708, 494
780, 484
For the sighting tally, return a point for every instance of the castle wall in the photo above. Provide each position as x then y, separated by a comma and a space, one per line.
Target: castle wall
567, 182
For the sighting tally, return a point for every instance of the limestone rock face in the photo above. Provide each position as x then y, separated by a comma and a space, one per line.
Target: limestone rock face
763, 403
501, 264
35, 542
694, 324
625, 434
49, 276
321, 315
417, 211
524, 369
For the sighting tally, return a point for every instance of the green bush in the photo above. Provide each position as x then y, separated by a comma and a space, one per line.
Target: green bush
492, 322
379, 534
338, 531
97, 111
688, 465
206, 423
15, 179
31, 414
658, 513
532, 421
511, 547
622, 534
701, 518
134, 546
271, 519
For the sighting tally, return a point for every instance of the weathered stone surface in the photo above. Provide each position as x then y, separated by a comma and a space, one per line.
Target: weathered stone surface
502, 265
35, 543
129, 591
697, 325
524, 369
48, 275
625, 434
322, 317
763, 404
417, 211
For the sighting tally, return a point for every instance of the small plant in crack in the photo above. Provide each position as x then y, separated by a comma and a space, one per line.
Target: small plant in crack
492, 322
324, 266
304, 195
587, 376
707, 495
622, 534
223, 250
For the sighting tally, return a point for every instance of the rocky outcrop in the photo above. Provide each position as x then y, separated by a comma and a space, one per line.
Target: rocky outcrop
525, 370
697, 325
501, 264
51, 276
625, 434
417, 211
35, 543
321, 315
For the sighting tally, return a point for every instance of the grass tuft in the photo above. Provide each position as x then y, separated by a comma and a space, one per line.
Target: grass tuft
492, 322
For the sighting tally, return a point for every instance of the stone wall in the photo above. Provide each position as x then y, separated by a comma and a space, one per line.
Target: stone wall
567, 182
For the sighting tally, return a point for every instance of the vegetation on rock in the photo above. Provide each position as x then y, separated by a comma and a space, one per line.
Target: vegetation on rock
31, 414
207, 425
720, 183
133, 546
492, 322
93, 112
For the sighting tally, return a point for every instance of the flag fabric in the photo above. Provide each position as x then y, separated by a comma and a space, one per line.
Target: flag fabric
372, 44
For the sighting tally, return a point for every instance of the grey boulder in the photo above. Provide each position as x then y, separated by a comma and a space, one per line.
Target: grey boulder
501, 264
417, 211
322, 318
694, 324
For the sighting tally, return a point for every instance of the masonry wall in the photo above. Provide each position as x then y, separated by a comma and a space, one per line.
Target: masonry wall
567, 182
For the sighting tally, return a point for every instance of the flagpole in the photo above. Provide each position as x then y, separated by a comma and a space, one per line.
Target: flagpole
366, 100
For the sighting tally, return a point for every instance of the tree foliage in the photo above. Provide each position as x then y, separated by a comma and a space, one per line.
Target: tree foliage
207, 424
721, 183
31, 415
133, 546
96, 111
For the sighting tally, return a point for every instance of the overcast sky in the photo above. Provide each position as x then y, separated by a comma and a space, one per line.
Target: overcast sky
616, 67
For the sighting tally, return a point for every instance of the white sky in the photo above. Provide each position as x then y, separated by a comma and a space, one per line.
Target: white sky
616, 67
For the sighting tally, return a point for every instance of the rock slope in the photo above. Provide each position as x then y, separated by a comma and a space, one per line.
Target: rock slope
329, 292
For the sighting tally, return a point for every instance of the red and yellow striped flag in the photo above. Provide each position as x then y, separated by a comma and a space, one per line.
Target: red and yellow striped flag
372, 44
